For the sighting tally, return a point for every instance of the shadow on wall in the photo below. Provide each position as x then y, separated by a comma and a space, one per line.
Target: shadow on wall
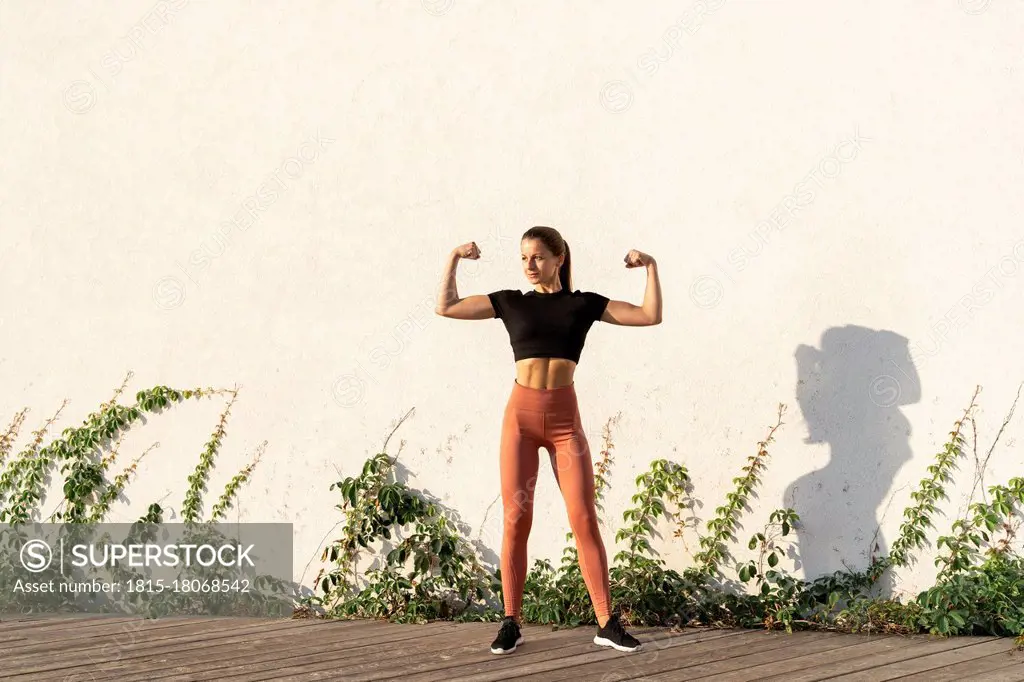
850, 391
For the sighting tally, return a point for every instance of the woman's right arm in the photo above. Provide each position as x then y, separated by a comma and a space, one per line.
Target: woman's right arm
449, 304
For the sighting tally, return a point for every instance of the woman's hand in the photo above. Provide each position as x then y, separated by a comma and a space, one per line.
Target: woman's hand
469, 250
637, 259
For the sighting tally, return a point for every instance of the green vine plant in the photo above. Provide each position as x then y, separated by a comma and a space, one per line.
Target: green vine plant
979, 588
191, 508
930, 492
724, 525
642, 586
85, 456
603, 467
431, 571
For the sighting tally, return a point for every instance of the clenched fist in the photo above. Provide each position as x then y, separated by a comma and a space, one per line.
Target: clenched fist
637, 259
469, 250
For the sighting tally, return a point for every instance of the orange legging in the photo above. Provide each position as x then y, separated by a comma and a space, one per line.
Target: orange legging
549, 418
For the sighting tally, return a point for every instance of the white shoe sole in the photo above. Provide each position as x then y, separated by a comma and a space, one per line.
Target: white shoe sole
601, 641
508, 651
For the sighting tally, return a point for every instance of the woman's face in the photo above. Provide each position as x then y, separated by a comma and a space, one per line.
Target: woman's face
539, 265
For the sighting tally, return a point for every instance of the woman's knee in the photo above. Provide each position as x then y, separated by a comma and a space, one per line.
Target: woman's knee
518, 520
583, 521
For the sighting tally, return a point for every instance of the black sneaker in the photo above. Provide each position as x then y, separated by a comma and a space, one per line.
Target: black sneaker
615, 636
509, 637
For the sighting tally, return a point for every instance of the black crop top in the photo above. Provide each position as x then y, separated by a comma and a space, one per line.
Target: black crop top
551, 325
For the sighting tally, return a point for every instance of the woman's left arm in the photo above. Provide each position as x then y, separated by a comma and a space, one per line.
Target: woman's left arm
647, 314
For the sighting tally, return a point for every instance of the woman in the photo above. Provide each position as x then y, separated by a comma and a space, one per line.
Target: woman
547, 329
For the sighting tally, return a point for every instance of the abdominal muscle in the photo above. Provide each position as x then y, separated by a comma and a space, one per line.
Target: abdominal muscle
545, 372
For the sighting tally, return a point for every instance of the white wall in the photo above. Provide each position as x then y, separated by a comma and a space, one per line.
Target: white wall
393, 131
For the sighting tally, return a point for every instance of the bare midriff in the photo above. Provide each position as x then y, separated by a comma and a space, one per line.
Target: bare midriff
545, 372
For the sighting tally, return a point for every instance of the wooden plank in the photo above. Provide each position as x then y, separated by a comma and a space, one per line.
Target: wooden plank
855, 646
942, 659
683, 662
337, 654
586, 651
87, 665
68, 638
125, 637
741, 667
61, 635
208, 648
444, 662
42, 642
913, 646
87, 652
477, 651
774, 646
272, 639
533, 649
97, 654
1013, 673
10, 641
407, 655
403, 652
519, 662
441, 663
967, 669
141, 663
359, 643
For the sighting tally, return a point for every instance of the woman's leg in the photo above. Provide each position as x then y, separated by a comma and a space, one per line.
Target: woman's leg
574, 472
520, 443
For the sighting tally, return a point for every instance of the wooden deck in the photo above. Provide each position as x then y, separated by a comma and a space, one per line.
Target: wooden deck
111, 648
